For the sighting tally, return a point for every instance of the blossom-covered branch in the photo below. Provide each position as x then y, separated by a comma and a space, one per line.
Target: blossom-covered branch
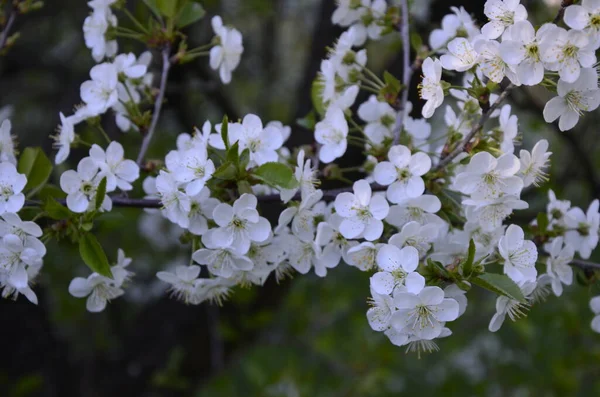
464, 144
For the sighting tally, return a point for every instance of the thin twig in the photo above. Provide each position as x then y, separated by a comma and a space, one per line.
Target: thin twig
462, 146
166, 52
6, 31
561, 11
585, 264
407, 71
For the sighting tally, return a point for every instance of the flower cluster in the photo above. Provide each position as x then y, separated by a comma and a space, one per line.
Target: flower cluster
509, 46
426, 220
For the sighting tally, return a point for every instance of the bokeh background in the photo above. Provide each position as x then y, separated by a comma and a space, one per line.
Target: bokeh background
304, 336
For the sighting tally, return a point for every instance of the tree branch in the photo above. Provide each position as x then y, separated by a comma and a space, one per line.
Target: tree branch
561, 11
484, 117
166, 52
407, 71
4, 35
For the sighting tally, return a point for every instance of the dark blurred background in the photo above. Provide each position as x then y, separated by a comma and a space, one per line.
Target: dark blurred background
302, 337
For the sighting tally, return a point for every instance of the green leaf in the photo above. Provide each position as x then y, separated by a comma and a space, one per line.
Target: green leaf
468, 265
56, 210
244, 159
500, 284
190, 13
244, 187
153, 6
225, 131
276, 175
233, 154
34, 164
309, 121
392, 82
93, 255
100, 193
416, 42
438, 268
316, 95
167, 8
227, 172
51, 191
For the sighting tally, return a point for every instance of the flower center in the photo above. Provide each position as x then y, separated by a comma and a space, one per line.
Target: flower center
533, 51
575, 102
570, 51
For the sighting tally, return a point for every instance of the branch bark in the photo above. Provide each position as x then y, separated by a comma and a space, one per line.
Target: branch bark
4, 35
166, 54
407, 71
465, 142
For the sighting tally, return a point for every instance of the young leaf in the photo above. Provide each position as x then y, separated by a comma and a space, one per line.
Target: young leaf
153, 6
392, 82
244, 159
56, 210
36, 167
276, 175
226, 172
416, 42
225, 132
468, 265
233, 153
93, 255
100, 193
190, 13
167, 7
244, 187
309, 121
500, 284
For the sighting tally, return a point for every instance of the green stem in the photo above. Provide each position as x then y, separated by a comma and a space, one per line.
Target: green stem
104, 134
135, 21
374, 76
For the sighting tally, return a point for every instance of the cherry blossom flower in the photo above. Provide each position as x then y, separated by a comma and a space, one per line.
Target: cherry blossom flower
573, 99
403, 173
11, 186
397, 267
583, 235
431, 87
566, 52
362, 212
514, 309
502, 13
331, 132
119, 172
462, 56
424, 314
533, 165
81, 186
557, 264
226, 55
486, 177
519, 255
238, 225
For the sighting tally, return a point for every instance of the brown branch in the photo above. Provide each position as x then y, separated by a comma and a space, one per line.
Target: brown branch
407, 71
461, 147
4, 35
166, 52
561, 11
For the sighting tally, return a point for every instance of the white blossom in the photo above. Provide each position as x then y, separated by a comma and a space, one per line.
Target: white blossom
226, 55
557, 264
431, 88
119, 172
519, 255
502, 13
362, 212
583, 235
533, 165
11, 186
573, 99
403, 173
331, 132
